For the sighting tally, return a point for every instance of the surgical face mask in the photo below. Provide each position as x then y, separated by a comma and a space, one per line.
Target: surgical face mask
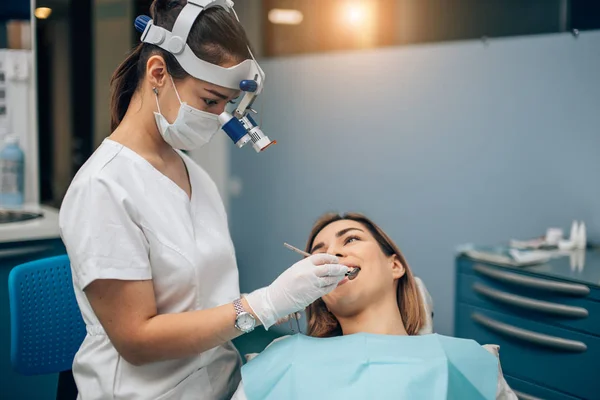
191, 129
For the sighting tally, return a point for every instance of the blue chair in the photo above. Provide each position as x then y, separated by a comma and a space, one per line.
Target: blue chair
46, 324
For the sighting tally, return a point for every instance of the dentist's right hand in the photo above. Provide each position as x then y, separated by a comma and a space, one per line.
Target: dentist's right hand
296, 288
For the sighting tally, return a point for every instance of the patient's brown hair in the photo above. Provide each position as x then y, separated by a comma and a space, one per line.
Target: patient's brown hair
322, 323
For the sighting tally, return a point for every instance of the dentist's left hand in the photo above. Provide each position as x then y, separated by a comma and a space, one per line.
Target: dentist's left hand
296, 288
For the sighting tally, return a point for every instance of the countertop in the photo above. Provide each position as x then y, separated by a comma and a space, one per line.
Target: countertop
45, 227
580, 266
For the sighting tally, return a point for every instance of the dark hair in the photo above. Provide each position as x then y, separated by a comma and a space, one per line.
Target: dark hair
322, 323
216, 37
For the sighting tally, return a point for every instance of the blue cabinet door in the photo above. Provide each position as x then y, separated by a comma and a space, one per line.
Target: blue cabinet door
16, 386
546, 355
573, 313
529, 391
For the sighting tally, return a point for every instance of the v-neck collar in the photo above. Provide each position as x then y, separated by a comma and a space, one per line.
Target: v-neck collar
174, 186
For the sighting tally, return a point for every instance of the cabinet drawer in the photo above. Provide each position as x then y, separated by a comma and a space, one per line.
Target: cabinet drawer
534, 278
549, 356
582, 314
12, 254
529, 391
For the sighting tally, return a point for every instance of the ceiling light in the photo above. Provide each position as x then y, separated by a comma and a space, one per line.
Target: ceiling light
42, 12
286, 17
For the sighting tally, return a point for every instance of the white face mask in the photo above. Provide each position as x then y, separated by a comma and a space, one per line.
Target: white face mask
191, 129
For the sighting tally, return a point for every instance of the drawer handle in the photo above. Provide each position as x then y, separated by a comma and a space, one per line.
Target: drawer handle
530, 304
525, 396
540, 339
534, 283
23, 251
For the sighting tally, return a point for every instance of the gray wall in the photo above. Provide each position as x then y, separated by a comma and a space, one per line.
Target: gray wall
440, 144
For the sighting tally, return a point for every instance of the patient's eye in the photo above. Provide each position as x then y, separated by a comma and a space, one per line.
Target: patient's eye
351, 239
319, 248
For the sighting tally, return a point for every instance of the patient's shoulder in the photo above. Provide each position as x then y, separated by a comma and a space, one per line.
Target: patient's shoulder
250, 356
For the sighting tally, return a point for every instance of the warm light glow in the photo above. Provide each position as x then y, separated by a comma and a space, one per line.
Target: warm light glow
357, 13
42, 12
357, 21
286, 17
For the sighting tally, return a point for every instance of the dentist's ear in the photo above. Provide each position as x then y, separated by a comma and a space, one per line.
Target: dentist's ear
156, 71
398, 269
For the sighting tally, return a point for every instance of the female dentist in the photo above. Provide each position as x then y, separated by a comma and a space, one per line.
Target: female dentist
154, 267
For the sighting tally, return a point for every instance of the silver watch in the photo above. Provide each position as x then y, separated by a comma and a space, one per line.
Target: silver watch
244, 321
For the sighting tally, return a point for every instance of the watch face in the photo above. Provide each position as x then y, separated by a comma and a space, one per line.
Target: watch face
245, 321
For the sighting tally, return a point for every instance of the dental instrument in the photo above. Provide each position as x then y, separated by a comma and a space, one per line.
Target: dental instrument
351, 274
297, 250
246, 76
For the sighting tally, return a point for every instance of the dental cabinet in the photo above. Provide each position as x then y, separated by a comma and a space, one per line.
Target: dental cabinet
545, 318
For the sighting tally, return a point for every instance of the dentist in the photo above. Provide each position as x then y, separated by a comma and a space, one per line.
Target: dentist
154, 268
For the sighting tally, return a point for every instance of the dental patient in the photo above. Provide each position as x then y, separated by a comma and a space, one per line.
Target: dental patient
371, 338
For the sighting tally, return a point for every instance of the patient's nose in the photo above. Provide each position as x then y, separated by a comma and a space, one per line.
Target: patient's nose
337, 250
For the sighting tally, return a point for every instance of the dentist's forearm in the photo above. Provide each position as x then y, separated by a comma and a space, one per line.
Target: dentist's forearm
170, 336
128, 313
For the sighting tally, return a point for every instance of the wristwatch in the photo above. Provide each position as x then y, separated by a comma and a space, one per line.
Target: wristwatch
244, 321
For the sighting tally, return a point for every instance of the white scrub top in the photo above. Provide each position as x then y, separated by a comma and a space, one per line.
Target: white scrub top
123, 219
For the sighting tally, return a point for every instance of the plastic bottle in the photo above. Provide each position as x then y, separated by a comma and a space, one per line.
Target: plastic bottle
12, 174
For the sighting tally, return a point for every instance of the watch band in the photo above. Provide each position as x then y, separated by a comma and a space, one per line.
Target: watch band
239, 308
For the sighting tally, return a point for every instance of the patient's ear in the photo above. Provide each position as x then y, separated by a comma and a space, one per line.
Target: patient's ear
398, 269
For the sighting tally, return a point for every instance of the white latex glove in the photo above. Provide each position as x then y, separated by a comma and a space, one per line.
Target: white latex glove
296, 288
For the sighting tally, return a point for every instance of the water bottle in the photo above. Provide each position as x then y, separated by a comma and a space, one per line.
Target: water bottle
12, 172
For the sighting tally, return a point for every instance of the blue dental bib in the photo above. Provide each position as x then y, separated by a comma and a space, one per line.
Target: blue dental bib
366, 366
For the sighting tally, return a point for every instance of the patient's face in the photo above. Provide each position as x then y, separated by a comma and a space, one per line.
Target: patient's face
354, 245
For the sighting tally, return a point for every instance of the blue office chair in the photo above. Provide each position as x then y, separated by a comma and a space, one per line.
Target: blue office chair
46, 324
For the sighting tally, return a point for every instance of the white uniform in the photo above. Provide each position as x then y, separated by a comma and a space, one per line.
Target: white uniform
123, 219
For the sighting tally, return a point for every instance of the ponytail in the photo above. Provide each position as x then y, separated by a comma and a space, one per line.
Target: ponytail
123, 84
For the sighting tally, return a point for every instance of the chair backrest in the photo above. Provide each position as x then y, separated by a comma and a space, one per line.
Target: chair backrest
46, 324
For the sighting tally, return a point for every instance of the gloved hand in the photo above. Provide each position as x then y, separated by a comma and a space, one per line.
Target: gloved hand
296, 288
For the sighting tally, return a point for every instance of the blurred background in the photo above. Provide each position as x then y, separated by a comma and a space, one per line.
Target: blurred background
82, 42
448, 122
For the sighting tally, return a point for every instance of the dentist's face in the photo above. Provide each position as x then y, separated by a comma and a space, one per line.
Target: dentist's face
355, 246
198, 94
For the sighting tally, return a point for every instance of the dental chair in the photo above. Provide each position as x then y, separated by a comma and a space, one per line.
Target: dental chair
46, 324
